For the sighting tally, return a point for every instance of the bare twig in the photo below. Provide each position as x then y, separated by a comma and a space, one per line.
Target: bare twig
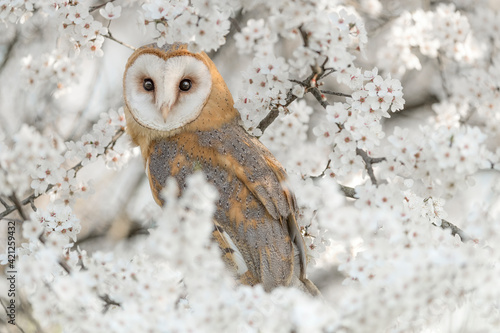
2, 201
108, 302
110, 36
7, 313
329, 92
305, 36
319, 97
369, 161
18, 206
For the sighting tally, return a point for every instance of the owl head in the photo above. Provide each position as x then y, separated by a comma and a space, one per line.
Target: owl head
170, 89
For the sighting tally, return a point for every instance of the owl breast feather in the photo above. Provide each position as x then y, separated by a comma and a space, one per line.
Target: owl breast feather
254, 204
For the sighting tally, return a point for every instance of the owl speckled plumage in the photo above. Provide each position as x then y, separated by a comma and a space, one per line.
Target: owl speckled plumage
180, 112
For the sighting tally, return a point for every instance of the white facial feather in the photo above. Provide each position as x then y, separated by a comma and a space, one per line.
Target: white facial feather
181, 107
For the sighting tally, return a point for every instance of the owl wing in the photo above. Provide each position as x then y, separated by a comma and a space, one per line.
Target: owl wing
255, 216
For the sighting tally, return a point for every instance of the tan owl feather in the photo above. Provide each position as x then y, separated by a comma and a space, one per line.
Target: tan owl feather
180, 112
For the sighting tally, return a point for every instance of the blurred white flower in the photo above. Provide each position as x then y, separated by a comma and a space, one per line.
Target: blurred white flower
110, 11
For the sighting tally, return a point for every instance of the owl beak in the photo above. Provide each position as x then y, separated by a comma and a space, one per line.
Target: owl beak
165, 109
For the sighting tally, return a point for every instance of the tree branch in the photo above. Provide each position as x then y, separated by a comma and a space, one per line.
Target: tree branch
349, 192
8, 53
2, 201
369, 161
455, 231
329, 92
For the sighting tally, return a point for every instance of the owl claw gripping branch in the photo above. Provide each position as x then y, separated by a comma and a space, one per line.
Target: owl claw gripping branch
180, 112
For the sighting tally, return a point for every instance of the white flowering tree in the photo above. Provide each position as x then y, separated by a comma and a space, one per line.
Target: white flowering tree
398, 197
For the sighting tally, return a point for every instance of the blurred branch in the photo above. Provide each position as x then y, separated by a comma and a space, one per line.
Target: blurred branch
94, 8
7, 313
18, 206
349, 192
108, 302
8, 53
455, 231
8, 210
4, 203
444, 82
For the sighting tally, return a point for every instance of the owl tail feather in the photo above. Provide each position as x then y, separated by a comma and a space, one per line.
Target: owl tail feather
296, 237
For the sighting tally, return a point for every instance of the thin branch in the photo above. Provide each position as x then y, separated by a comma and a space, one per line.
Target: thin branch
7, 313
235, 24
322, 174
2, 201
305, 36
94, 8
110, 36
108, 302
329, 92
326, 72
319, 97
18, 206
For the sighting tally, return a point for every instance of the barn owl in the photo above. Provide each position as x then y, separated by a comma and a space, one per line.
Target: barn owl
180, 112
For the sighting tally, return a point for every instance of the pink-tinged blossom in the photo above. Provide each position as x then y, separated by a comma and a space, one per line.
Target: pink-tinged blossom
110, 11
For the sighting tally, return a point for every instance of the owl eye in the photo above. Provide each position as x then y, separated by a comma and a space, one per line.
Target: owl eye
185, 85
148, 85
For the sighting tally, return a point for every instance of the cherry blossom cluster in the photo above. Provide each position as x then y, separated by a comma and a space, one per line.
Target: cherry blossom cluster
356, 124
50, 71
49, 170
81, 29
256, 37
402, 265
393, 251
16, 11
94, 144
266, 87
55, 219
118, 291
295, 127
445, 31
30, 160
439, 159
201, 24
